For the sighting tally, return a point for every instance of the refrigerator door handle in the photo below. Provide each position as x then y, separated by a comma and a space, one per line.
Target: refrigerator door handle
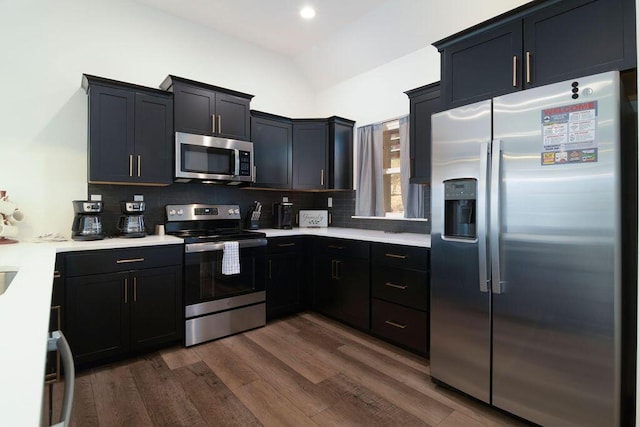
483, 261
494, 238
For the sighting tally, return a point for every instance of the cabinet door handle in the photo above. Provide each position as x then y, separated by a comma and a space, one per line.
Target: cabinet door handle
397, 325
126, 290
130, 164
213, 123
283, 245
335, 247
396, 256
57, 275
139, 161
321, 176
135, 289
269, 269
393, 285
338, 273
515, 71
219, 123
128, 260
528, 67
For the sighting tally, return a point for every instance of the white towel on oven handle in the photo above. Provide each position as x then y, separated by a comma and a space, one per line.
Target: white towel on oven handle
231, 258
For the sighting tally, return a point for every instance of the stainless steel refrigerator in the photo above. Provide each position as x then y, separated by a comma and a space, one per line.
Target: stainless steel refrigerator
526, 250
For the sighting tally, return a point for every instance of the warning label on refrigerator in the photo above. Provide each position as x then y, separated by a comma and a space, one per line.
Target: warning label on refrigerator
569, 134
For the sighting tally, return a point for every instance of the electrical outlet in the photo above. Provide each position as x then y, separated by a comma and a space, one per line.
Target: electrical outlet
95, 197
138, 198
285, 199
329, 202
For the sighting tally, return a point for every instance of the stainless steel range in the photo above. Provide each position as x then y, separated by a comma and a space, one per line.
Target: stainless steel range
224, 284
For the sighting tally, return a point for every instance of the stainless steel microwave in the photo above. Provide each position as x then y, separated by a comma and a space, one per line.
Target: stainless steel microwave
210, 159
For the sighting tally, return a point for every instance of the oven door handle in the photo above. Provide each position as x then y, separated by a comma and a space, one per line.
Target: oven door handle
218, 246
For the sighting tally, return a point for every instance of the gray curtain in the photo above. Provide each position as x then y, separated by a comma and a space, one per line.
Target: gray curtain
412, 194
369, 184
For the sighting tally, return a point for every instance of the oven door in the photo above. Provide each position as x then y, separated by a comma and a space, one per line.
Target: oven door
204, 281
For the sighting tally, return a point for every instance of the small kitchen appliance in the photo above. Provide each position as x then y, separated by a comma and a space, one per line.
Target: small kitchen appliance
224, 283
87, 223
283, 215
131, 222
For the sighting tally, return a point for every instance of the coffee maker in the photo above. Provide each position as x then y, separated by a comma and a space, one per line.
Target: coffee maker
87, 224
131, 222
283, 215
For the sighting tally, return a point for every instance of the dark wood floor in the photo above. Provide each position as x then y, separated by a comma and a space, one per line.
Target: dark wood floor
299, 371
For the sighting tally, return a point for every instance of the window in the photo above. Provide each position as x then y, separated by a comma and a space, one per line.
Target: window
382, 172
393, 206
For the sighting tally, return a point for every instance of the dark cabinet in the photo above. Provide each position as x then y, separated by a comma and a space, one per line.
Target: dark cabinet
423, 102
130, 133
310, 146
341, 280
536, 45
340, 175
272, 138
130, 301
286, 290
204, 109
400, 295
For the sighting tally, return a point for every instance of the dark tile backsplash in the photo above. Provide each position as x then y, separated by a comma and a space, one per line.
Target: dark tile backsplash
156, 198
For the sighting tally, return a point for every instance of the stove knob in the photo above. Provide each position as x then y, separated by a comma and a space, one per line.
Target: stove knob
230, 211
237, 211
180, 212
172, 212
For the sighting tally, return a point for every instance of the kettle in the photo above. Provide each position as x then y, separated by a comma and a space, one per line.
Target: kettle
283, 215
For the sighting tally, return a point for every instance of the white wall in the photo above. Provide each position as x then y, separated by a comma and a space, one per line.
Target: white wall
47, 45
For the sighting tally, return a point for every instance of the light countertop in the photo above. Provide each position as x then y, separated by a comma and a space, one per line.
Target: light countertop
25, 307
409, 239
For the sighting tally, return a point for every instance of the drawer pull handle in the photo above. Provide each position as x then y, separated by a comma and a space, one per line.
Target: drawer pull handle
282, 245
128, 260
335, 247
393, 285
397, 325
396, 256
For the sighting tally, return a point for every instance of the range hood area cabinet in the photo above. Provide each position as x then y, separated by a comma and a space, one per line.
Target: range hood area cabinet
130, 133
537, 44
302, 154
204, 109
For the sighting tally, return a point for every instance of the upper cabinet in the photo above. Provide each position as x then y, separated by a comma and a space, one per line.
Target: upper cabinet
423, 102
272, 138
310, 144
209, 110
130, 133
302, 154
537, 44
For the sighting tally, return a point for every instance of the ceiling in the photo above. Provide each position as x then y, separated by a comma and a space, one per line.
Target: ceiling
273, 24
346, 38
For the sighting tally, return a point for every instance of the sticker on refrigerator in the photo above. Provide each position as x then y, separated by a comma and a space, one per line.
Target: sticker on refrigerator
569, 134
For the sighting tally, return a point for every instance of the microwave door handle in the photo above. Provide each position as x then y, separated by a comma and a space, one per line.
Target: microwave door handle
236, 154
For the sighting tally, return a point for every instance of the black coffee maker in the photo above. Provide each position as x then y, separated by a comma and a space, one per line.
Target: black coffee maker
283, 215
87, 224
131, 222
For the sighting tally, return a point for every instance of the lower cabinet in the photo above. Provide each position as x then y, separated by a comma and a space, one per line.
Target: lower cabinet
341, 280
285, 284
400, 295
111, 313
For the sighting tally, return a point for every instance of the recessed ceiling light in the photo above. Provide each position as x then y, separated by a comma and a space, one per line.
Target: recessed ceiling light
307, 12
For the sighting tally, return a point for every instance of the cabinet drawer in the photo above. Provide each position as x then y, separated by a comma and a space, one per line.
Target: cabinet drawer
352, 248
285, 244
401, 325
411, 257
406, 287
114, 260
